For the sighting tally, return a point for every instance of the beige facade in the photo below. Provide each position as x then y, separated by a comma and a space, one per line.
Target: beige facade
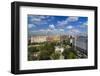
56, 38
38, 39
53, 38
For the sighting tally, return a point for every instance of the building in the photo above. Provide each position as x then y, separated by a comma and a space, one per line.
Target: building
53, 38
38, 39
82, 43
59, 49
64, 37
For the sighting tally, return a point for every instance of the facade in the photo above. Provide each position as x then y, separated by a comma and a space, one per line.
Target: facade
53, 38
81, 42
59, 49
64, 37
38, 39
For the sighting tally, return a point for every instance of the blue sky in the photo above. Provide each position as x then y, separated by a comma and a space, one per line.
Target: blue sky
53, 25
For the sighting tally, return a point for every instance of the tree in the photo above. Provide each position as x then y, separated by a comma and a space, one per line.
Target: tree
55, 55
31, 52
44, 55
65, 53
69, 53
32, 49
49, 47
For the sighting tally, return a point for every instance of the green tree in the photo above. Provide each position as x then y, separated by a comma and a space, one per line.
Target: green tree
55, 55
44, 55
31, 51
69, 53
49, 47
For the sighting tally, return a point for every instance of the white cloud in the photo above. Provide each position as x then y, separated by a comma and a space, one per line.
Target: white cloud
52, 27
62, 24
31, 26
38, 19
73, 32
84, 25
50, 18
69, 27
62, 30
48, 32
35, 19
72, 19
42, 30
43, 17
80, 22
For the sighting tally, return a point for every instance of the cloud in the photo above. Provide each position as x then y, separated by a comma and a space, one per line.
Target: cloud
73, 32
37, 19
62, 30
33, 18
64, 23
31, 26
84, 25
72, 19
48, 32
44, 17
80, 22
51, 27
69, 27
50, 18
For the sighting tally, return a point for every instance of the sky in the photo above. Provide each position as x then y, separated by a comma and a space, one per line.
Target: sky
57, 25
